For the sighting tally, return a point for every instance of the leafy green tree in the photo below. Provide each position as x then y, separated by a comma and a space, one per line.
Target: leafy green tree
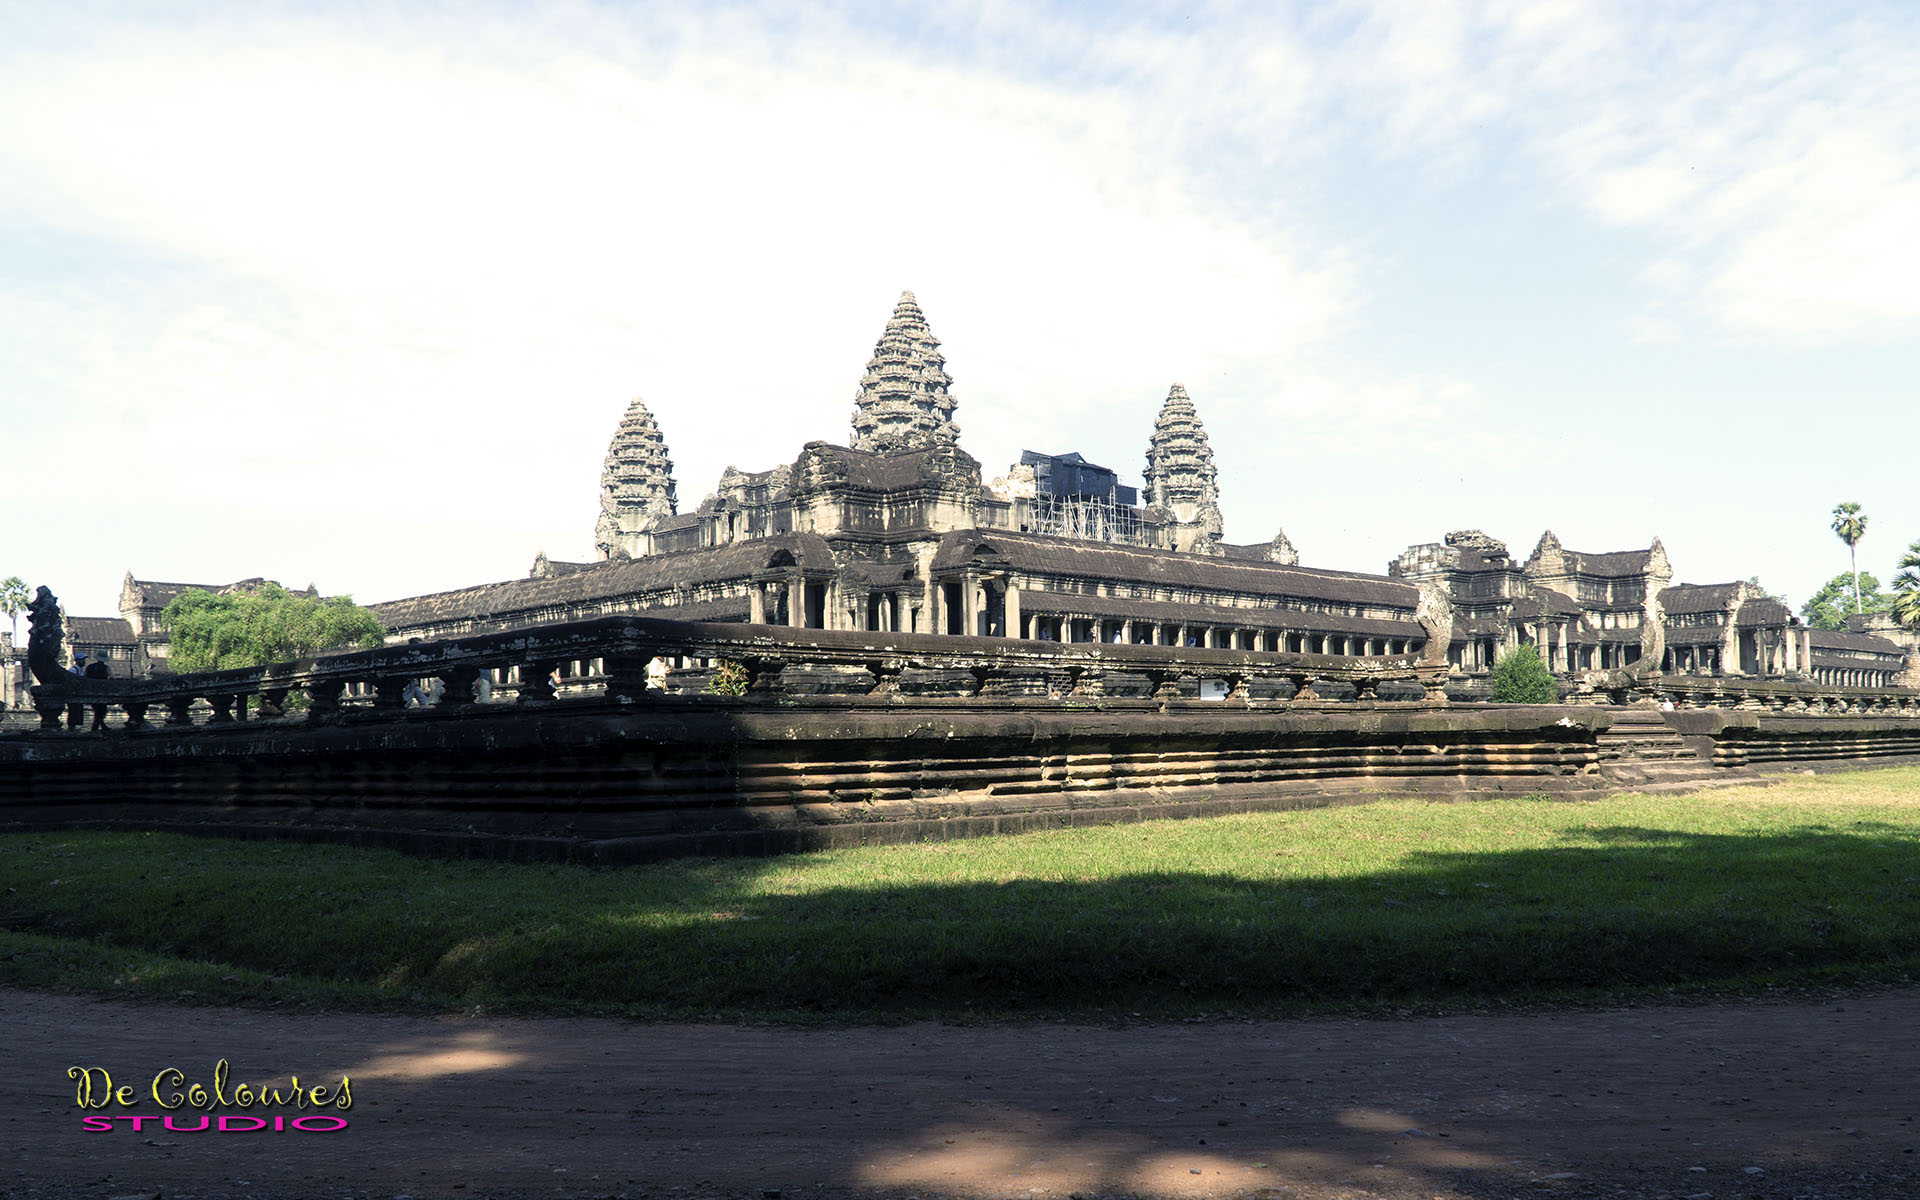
1829, 607
215, 631
1519, 677
13, 601
1906, 589
1850, 525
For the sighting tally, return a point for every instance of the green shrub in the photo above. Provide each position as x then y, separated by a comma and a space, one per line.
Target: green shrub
1519, 677
729, 678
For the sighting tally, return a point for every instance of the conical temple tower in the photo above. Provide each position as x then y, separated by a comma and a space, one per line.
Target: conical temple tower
904, 401
636, 485
1180, 476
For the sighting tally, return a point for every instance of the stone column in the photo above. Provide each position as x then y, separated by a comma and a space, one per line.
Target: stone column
935, 606
757, 602
970, 604
796, 601
1012, 617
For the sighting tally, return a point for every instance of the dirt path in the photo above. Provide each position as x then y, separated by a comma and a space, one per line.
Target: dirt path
1812, 1099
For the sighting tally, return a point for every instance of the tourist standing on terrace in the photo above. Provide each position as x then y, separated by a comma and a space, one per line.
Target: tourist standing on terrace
98, 669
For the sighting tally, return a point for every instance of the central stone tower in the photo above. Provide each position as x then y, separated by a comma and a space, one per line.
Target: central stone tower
904, 401
636, 484
1180, 475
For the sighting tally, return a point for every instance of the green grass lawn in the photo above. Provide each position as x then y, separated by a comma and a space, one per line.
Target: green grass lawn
1393, 904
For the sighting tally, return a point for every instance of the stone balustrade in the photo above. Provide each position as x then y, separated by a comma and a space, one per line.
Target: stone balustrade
782, 664
1789, 697
840, 738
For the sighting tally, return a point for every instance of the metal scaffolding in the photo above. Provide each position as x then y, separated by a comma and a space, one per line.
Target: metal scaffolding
1086, 518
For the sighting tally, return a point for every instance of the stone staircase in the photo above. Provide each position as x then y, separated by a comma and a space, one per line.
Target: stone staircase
1642, 753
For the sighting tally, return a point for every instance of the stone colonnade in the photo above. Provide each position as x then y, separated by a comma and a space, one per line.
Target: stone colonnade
1859, 677
990, 603
799, 599
1745, 650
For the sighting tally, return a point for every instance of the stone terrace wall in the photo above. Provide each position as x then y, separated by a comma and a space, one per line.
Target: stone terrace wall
1732, 739
601, 782
840, 738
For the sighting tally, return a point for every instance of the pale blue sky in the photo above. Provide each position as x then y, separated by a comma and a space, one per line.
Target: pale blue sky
357, 297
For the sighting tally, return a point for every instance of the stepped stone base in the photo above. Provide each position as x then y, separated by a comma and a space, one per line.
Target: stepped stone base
606, 783
1641, 750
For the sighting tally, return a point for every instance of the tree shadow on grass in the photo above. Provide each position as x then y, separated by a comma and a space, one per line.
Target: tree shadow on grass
1614, 908
1645, 908
1618, 908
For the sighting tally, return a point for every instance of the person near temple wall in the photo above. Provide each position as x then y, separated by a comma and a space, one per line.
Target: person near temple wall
78, 670
98, 669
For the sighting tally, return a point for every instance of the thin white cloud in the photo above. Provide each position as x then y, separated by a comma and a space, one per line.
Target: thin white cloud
1777, 157
458, 267
423, 257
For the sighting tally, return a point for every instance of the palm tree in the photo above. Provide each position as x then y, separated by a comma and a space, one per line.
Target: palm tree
1906, 589
1850, 525
13, 601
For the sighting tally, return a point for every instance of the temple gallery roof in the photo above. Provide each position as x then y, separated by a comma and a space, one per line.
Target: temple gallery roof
154, 594
1220, 615
1765, 612
617, 579
1696, 635
1700, 597
1545, 602
1612, 564
1475, 559
1858, 643
160, 594
877, 471
1550, 556
1066, 557
1753, 609
96, 631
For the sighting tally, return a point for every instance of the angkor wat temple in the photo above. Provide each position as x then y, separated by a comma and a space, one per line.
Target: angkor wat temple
899, 530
